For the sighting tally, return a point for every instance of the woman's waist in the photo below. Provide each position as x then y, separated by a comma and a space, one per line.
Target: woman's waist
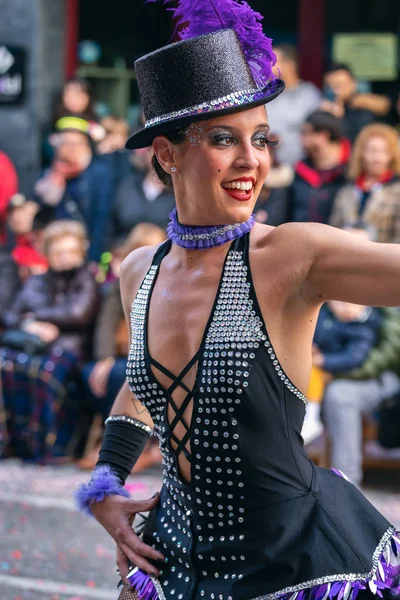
226, 508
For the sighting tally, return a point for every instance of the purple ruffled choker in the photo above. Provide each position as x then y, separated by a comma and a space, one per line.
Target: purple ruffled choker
205, 236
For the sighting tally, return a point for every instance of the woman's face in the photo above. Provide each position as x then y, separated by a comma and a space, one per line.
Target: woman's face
65, 253
221, 167
75, 99
376, 156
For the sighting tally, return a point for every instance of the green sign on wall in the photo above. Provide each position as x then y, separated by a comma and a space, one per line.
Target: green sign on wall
372, 56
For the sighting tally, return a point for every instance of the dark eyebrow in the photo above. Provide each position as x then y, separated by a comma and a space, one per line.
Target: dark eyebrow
260, 126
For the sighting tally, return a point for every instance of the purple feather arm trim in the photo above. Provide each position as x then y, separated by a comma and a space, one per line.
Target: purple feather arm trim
103, 483
199, 17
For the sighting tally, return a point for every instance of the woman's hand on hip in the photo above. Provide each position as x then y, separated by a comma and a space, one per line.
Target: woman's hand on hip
116, 514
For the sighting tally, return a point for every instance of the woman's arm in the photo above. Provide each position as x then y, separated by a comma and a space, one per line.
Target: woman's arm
337, 265
132, 273
116, 513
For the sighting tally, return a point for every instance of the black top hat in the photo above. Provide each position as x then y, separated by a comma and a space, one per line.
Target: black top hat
196, 79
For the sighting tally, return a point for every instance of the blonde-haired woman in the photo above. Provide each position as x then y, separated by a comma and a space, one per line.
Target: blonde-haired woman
373, 196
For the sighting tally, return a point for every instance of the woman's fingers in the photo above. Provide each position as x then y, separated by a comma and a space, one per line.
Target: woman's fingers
122, 564
139, 561
129, 538
137, 506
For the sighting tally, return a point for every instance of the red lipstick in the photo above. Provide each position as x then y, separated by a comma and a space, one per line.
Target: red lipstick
240, 195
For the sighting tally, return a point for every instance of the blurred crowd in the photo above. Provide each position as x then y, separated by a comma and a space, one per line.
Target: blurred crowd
64, 338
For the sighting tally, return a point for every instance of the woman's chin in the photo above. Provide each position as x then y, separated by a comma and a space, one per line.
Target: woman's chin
238, 212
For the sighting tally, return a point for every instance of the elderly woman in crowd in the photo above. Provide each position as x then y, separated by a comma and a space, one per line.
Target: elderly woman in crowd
373, 196
48, 333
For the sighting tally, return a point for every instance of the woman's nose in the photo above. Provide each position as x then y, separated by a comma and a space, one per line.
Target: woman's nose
247, 158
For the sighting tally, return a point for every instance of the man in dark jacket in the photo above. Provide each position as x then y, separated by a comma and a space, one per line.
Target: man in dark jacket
79, 185
343, 87
319, 177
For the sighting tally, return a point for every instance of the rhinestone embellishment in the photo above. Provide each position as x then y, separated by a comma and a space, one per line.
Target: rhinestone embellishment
234, 99
214, 504
131, 421
332, 578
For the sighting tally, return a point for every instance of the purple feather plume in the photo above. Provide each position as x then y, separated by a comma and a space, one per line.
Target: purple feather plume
198, 17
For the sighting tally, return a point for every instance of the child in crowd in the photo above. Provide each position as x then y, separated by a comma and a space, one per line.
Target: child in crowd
344, 336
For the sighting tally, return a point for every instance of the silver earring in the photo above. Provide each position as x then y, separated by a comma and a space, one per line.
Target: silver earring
173, 169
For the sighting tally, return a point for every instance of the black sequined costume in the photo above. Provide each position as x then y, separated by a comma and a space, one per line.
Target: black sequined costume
258, 520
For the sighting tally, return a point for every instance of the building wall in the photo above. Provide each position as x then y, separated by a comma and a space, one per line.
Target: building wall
39, 27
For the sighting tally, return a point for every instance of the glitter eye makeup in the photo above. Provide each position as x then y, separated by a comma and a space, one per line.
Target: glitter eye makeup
194, 134
226, 138
261, 138
219, 138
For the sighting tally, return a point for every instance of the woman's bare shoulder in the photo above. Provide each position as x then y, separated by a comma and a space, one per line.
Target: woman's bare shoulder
291, 246
290, 235
134, 269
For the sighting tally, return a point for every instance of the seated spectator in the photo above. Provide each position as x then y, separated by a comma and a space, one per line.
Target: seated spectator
273, 202
356, 110
319, 177
78, 185
8, 187
356, 356
104, 377
344, 336
287, 113
21, 215
140, 198
48, 333
9, 282
357, 392
373, 196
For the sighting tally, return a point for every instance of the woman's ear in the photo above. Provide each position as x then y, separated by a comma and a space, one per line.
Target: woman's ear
164, 151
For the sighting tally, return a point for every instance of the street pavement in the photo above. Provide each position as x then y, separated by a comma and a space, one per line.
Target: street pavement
49, 551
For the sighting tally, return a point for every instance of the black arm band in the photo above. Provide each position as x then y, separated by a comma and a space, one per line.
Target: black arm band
123, 443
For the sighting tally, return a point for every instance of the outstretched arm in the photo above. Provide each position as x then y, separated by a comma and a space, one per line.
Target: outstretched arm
339, 266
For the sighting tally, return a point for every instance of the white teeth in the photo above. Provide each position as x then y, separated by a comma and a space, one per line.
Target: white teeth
239, 185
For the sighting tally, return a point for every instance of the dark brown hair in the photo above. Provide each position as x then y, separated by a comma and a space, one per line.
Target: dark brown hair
175, 136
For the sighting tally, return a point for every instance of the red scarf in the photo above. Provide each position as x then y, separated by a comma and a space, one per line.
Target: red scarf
384, 178
319, 178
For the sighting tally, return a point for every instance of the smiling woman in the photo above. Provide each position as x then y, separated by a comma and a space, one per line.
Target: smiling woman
222, 318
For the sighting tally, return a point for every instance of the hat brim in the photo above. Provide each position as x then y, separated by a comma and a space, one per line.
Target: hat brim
145, 137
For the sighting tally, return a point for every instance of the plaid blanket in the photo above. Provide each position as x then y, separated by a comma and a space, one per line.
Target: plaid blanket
39, 411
